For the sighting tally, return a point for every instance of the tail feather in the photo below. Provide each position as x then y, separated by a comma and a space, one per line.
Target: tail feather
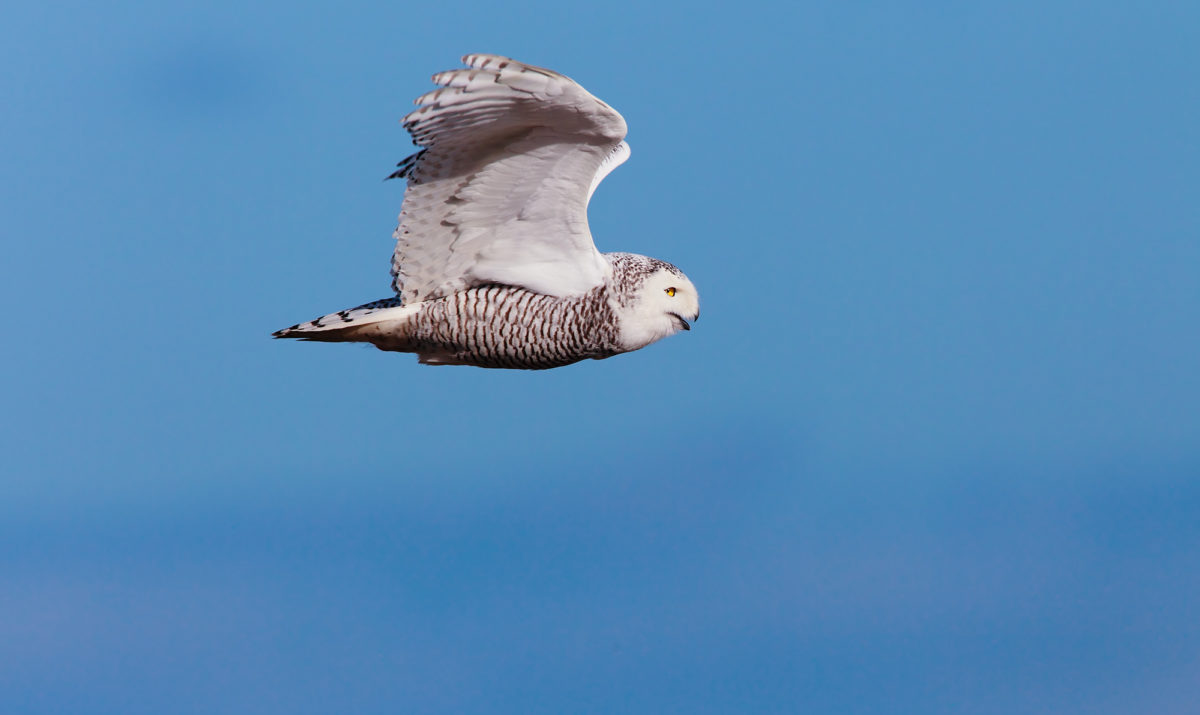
347, 324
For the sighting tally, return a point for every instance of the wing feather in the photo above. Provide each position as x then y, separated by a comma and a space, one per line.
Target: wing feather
498, 193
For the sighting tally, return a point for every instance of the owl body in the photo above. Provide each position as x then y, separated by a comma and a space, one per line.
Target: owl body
506, 327
494, 264
499, 326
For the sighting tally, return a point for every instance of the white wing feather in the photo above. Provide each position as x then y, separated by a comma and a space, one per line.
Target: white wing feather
619, 155
499, 194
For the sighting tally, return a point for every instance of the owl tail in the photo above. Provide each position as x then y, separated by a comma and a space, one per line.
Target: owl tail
370, 322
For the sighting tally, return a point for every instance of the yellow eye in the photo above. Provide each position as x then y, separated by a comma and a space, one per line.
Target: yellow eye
671, 292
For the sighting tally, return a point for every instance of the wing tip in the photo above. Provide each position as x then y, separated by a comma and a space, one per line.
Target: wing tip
480, 60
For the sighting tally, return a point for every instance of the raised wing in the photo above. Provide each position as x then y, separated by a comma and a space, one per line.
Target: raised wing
499, 193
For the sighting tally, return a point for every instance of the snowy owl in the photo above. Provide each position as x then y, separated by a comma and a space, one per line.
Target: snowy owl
494, 263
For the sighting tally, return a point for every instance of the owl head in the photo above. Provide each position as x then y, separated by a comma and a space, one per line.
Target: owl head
660, 301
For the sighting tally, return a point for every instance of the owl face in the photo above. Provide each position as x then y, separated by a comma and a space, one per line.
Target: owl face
665, 303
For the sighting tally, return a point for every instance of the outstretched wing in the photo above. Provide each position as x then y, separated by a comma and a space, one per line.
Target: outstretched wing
499, 193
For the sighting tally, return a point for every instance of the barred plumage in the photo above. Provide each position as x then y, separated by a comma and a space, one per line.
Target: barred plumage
503, 326
494, 264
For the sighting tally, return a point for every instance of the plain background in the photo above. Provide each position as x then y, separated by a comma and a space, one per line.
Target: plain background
933, 446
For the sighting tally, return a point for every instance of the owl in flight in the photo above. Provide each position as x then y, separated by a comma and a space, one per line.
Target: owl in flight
494, 263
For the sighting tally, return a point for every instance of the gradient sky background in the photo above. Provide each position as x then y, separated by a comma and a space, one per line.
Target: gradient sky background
934, 447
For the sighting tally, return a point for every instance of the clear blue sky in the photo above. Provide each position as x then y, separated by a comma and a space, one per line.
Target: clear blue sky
934, 446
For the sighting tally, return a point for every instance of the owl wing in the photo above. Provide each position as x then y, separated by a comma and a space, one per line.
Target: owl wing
499, 193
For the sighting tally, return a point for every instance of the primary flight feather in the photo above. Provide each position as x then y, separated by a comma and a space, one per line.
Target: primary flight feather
494, 263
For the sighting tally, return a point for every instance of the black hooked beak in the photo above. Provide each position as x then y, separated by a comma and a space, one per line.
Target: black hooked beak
682, 323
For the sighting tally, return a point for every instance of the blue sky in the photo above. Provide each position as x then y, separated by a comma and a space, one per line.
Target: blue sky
932, 448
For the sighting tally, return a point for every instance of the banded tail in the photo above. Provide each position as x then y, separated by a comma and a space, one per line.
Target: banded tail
353, 324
